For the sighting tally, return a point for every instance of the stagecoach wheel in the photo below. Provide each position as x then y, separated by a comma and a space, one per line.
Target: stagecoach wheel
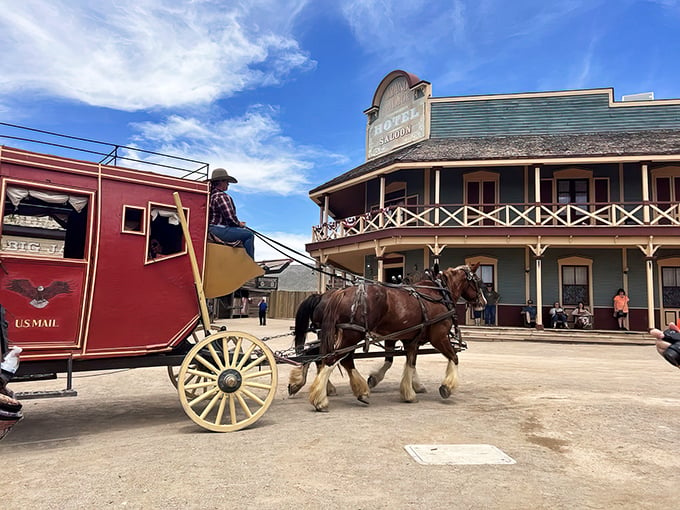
237, 376
196, 336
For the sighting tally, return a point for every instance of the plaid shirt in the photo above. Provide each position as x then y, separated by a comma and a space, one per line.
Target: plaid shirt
222, 210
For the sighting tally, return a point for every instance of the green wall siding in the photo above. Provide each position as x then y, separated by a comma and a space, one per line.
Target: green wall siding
588, 113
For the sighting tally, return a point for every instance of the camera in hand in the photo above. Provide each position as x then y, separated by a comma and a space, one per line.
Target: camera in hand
672, 353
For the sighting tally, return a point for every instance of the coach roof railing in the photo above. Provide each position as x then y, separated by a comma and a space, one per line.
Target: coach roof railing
593, 215
107, 153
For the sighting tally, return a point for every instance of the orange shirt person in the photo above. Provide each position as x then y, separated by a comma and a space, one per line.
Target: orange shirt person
621, 308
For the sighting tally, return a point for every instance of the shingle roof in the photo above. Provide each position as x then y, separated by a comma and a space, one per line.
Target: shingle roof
432, 151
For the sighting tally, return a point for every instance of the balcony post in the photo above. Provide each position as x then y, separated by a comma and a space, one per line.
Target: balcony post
645, 193
537, 194
437, 188
381, 218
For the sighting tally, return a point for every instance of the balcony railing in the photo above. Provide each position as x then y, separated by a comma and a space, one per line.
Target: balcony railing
509, 216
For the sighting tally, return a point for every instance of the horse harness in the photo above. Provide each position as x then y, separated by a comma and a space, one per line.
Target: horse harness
359, 320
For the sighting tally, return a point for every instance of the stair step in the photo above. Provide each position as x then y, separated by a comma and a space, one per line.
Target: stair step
595, 336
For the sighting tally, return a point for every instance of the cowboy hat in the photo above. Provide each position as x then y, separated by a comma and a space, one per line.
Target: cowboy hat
220, 174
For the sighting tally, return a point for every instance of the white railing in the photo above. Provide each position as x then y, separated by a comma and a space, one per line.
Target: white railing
505, 215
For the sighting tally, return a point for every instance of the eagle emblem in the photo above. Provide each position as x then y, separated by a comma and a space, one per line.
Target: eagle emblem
39, 296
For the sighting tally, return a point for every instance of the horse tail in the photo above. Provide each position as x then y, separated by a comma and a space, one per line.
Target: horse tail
330, 320
302, 319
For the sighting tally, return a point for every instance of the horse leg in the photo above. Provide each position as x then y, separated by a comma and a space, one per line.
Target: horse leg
356, 381
331, 391
417, 385
378, 375
318, 393
450, 382
406, 388
297, 378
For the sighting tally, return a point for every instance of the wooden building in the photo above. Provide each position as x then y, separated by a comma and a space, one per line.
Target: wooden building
562, 196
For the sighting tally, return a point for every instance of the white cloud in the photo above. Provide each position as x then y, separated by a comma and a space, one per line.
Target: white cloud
295, 241
251, 147
140, 54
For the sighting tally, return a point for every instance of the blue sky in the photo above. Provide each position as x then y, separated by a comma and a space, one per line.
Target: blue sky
274, 90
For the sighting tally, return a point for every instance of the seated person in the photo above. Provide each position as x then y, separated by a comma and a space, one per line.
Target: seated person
222, 220
558, 317
529, 313
582, 316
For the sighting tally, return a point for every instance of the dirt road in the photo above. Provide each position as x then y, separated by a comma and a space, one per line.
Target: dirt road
589, 426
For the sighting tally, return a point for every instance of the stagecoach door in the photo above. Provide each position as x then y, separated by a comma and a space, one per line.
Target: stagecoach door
45, 249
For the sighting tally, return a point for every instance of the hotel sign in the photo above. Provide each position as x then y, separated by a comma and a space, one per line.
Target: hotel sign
398, 119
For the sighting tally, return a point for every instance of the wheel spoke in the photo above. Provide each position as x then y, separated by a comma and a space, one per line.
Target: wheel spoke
245, 357
207, 364
256, 373
210, 405
199, 373
202, 397
237, 349
220, 410
260, 386
255, 363
215, 356
197, 385
232, 409
244, 406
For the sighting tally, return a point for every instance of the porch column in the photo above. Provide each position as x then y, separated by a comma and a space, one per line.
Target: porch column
649, 250
649, 269
379, 254
323, 278
539, 250
381, 219
326, 200
645, 192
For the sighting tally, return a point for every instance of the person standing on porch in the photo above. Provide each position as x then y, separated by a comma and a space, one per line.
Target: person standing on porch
492, 298
621, 308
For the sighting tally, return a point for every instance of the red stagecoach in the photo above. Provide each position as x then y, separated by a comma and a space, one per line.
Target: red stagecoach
102, 267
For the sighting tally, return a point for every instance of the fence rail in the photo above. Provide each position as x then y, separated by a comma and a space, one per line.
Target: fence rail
585, 215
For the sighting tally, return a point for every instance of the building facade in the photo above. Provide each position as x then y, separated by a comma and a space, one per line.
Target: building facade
562, 196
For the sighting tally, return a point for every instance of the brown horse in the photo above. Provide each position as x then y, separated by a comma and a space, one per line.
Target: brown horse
415, 315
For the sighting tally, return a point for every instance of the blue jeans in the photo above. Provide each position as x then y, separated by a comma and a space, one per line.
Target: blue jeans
490, 314
231, 234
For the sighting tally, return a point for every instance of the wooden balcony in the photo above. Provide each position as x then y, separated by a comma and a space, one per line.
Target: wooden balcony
507, 216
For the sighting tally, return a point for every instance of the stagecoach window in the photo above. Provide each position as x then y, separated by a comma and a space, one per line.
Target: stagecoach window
44, 222
133, 219
165, 233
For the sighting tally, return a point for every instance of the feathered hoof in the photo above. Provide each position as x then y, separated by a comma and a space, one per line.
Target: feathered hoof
420, 389
321, 409
331, 391
444, 391
293, 389
363, 399
372, 381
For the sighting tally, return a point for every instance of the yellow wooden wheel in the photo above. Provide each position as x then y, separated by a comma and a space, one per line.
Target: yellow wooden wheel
196, 336
227, 381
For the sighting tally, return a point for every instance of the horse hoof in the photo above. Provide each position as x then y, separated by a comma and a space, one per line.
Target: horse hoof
321, 409
444, 391
420, 389
363, 399
292, 390
331, 392
372, 383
